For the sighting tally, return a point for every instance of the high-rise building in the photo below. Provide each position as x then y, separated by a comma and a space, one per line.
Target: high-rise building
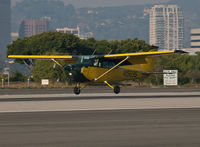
166, 27
5, 26
33, 27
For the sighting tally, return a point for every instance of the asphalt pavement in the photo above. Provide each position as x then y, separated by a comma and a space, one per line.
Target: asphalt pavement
138, 117
97, 90
113, 128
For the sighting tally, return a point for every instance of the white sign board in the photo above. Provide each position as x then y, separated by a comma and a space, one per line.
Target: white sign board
45, 81
6, 71
170, 77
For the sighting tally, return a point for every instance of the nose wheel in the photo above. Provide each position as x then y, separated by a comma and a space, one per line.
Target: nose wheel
77, 89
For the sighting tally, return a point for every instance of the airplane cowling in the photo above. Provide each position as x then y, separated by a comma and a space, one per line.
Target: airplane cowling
73, 73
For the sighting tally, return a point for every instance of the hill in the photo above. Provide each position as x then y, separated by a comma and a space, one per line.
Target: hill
112, 23
104, 3
105, 22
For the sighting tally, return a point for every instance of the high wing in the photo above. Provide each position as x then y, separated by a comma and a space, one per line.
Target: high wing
134, 58
146, 54
63, 57
142, 61
142, 57
39, 57
67, 59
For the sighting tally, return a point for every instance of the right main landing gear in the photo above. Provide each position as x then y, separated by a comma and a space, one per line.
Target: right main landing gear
116, 89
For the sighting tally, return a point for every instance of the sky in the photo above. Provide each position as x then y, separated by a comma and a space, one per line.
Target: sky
102, 3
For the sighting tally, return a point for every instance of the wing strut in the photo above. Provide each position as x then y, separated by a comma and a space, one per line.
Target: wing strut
28, 66
57, 62
111, 69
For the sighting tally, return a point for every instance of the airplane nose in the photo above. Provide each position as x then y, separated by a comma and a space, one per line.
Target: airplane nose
71, 70
68, 68
73, 73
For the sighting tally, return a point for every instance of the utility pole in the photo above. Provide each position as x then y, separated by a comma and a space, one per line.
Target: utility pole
2, 83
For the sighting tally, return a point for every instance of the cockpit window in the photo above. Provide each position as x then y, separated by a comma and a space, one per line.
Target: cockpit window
107, 64
88, 60
102, 62
96, 62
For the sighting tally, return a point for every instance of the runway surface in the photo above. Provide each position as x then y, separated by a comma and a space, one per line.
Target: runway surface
114, 128
98, 101
140, 118
97, 90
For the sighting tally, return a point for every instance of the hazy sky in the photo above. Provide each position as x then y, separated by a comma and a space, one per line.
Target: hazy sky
101, 3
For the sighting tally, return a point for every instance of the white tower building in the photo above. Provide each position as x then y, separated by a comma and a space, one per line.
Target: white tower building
166, 27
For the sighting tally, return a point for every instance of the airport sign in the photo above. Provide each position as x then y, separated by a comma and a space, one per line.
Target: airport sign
170, 77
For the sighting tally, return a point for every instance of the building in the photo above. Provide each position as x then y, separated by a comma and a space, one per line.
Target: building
75, 31
33, 27
194, 42
166, 27
5, 26
195, 39
86, 35
14, 36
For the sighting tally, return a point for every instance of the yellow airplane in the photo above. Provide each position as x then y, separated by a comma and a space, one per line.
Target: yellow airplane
105, 68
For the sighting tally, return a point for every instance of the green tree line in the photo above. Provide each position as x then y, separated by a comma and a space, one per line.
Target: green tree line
64, 44
187, 66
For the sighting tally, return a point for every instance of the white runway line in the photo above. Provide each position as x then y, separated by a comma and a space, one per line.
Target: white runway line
99, 104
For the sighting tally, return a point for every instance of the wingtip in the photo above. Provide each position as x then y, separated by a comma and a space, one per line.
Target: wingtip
180, 51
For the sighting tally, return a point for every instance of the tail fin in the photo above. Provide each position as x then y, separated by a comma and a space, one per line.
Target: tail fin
154, 48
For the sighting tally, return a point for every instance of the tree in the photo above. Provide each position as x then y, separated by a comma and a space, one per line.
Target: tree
47, 44
187, 66
2, 64
43, 69
18, 76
